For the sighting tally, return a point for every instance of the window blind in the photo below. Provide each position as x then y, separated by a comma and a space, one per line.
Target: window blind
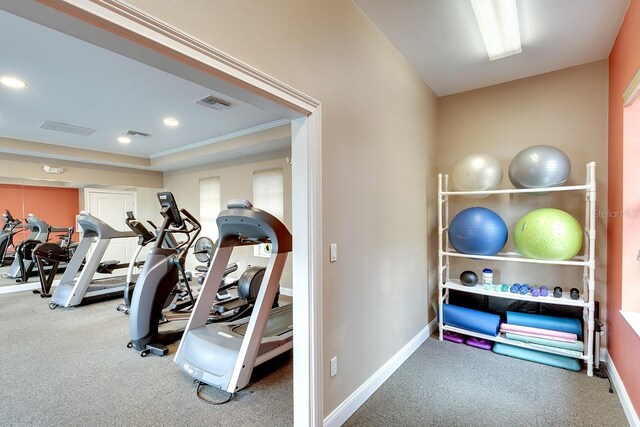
209, 206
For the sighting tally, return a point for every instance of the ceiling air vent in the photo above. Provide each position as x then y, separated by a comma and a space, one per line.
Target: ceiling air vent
213, 102
135, 133
66, 128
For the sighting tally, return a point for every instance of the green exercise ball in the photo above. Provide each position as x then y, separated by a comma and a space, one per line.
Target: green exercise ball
549, 234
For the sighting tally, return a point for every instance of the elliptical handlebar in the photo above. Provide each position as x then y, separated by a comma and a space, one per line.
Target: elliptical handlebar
174, 223
192, 234
10, 223
191, 217
144, 235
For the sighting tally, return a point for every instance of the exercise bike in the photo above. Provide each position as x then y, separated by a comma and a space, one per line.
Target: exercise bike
49, 255
25, 253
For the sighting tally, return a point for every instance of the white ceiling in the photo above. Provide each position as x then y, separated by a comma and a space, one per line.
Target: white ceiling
442, 41
74, 82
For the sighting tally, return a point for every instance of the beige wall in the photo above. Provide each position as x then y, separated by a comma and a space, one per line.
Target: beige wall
566, 109
43, 150
26, 167
378, 128
16, 168
236, 182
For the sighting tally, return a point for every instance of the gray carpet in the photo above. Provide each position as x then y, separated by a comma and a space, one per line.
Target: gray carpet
447, 384
71, 367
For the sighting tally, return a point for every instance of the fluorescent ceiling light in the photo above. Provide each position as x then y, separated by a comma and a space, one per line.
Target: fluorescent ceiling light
498, 21
12, 82
170, 121
124, 140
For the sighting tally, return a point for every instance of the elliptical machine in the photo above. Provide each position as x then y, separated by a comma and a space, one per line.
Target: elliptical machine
156, 287
39, 234
6, 236
144, 238
226, 307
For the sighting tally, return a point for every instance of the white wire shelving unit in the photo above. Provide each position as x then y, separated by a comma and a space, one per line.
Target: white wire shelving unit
585, 261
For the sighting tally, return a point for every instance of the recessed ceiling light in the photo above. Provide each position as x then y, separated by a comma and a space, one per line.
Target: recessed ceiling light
124, 140
170, 121
12, 82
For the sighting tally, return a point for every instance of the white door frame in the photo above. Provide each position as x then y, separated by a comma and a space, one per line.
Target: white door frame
251, 85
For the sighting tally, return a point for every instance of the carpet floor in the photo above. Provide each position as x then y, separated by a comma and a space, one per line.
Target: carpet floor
448, 384
71, 367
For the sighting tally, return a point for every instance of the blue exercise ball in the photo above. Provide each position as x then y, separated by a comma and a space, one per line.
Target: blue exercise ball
539, 166
478, 231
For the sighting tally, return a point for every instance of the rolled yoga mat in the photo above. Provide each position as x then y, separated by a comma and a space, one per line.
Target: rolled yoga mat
562, 324
537, 332
471, 320
576, 346
537, 356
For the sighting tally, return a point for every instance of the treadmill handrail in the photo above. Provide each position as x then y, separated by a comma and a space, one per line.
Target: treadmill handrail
93, 226
241, 226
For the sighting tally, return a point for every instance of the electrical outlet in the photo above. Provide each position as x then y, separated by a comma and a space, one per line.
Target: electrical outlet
333, 364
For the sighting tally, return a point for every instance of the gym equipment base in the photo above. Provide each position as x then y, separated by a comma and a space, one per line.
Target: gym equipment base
156, 349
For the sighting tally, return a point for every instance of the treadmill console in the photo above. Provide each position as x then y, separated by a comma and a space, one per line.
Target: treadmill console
170, 209
239, 204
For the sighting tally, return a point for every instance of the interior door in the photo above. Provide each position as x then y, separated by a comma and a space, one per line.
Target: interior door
111, 207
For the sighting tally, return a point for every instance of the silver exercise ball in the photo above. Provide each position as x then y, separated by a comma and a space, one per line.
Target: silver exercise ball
539, 166
476, 172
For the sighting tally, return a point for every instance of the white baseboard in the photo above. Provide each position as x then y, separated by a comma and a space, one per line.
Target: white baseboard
358, 397
632, 415
19, 288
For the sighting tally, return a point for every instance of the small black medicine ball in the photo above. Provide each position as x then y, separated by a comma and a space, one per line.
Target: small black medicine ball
469, 278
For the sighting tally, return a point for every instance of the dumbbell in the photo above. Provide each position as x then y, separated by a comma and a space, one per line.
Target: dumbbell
574, 293
557, 292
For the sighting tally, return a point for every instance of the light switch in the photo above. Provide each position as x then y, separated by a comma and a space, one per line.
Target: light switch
333, 252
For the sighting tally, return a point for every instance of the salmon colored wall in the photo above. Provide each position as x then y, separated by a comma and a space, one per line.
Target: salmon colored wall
11, 199
631, 203
57, 206
623, 344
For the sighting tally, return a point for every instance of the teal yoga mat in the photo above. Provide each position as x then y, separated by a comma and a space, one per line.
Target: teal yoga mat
537, 356
562, 324
576, 346
471, 320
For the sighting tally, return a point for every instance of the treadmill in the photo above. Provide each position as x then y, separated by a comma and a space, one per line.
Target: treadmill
223, 355
71, 290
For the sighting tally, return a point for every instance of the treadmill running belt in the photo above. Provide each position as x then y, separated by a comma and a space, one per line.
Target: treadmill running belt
280, 321
111, 281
